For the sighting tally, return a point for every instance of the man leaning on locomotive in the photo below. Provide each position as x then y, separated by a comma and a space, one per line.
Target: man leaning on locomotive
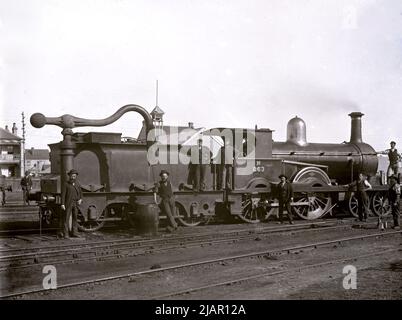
164, 189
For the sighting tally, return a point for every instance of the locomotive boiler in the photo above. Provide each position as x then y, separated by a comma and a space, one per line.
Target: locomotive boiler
116, 174
343, 160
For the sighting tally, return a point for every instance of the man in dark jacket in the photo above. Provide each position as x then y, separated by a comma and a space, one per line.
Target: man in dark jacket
71, 198
199, 165
3, 189
164, 189
362, 185
26, 186
285, 197
394, 195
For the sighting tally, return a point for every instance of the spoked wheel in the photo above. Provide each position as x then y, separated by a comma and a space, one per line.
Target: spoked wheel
353, 205
380, 204
187, 220
312, 205
251, 211
90, 225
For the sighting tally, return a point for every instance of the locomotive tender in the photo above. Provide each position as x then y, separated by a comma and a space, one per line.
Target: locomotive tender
117, 175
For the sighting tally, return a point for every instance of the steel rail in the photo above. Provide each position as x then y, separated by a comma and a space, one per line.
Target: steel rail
184, 237
209, 261
119, 254
270, 274
146, 247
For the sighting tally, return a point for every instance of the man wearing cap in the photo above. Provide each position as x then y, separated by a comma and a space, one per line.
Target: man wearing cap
164, 189
394, 159
394, 195
362, 185
71, 198
285, 197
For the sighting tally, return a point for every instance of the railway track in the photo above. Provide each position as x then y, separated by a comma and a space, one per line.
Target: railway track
101, 250
239, 280
29, 231
263, 253
12, 233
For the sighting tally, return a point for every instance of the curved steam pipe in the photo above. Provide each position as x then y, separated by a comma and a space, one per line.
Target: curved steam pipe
67, 121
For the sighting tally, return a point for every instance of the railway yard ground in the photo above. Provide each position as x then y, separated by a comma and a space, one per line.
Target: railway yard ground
235, 260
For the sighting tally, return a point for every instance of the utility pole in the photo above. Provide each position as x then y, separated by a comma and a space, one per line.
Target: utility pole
157, 92
23, 146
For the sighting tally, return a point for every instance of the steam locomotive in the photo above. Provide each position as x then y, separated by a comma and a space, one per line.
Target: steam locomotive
117, 173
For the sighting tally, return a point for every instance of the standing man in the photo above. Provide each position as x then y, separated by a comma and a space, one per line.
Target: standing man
394, 160
3, 189
26, 186
225, 168
71, 198
285, 197
394, 195
362, 185
164, 189
200, 161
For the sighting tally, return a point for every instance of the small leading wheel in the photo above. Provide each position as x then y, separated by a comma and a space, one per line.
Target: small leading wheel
380, 204
353, 205
91, 224
251, 212
187, 220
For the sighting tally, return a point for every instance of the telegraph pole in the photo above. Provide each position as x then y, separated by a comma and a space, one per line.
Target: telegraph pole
157, 92
23, 146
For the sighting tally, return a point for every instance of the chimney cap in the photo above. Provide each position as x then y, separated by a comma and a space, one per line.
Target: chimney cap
356, 114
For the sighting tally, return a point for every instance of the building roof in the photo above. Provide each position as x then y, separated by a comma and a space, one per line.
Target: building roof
36, 154
7, 137
157, 111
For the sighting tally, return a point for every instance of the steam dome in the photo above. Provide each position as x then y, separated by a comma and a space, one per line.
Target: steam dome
296, 131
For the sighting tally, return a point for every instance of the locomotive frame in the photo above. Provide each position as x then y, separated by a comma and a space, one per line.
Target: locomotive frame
116, 175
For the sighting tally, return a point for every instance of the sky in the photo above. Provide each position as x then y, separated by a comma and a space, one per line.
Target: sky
227, 63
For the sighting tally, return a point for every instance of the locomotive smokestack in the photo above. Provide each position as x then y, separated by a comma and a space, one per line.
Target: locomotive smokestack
356, 128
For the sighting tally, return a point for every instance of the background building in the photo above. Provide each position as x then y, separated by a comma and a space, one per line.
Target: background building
10, 152
37, 161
